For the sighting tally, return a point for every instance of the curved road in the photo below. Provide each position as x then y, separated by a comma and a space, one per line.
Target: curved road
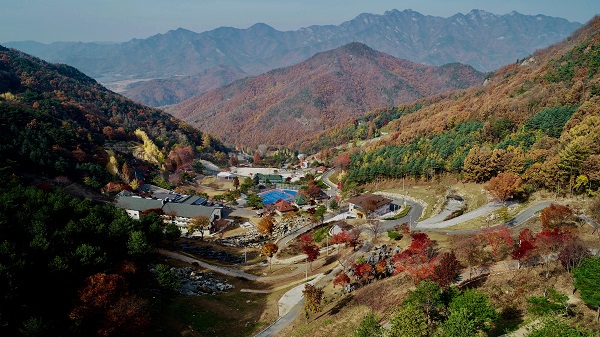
411, 217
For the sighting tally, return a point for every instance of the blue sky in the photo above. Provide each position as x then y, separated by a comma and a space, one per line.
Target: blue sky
121, 20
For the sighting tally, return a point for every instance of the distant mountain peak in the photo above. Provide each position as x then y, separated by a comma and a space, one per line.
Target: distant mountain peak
484, 40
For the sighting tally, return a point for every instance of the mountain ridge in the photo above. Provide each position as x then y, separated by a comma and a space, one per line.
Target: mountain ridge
404, 34
284, 106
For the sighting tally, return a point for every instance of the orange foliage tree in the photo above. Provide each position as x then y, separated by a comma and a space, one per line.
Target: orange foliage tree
503, 186
555, 216
266, 225
313, 296
270, 249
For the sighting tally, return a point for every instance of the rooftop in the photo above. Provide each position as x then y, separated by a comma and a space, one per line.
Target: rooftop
369, 200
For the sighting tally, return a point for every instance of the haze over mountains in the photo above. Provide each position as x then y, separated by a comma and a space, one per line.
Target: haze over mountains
160, 92
287, 106
484, 40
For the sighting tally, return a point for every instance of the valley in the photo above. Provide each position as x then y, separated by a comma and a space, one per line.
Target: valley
340, 180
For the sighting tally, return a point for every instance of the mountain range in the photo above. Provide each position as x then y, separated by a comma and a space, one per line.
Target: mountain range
483, 40
287, 106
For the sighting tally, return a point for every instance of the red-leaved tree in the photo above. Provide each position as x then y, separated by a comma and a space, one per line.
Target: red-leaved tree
312, 252
526, 234
446, 270
498, 238
342, 279
417, 259
524, 252
364, 272
573, 252
549, 242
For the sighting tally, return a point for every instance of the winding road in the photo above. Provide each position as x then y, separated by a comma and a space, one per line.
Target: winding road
293, 300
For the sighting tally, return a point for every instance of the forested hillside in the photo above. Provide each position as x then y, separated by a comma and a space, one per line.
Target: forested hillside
287, 106
57, 121
538, 118
70, 267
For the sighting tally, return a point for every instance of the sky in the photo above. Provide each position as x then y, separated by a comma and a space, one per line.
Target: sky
122, 20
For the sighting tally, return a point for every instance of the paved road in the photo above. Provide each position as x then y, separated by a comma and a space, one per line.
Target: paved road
416, 210
516, 221
483, 210
332, 191
528, 213
283, 321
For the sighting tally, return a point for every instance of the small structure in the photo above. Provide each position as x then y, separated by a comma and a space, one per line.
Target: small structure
300, 200
339, 227
282, 207
272, 178
369, 205
225, 175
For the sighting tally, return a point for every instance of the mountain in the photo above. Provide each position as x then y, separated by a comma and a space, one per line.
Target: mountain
160, 92
287, 106
539, 119
485, 41
58, 121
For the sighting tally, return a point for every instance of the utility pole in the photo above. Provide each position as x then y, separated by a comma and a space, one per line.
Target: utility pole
306, 269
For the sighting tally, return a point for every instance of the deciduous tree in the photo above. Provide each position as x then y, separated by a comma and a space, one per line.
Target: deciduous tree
269, 250
266, 225
364, 272
503, 186
256, 158
312, 252
499, 239
446, 270
573, 252
524, 252
199, 223
341, 279
313, 296
555, 216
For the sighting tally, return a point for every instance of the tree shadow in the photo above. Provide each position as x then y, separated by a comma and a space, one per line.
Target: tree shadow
339, 305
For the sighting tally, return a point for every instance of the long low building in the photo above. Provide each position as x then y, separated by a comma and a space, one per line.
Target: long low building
180, 208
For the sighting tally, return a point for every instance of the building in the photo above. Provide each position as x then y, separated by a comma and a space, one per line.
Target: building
282, 207
300, 200
369, 205
179, 209
271, 178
